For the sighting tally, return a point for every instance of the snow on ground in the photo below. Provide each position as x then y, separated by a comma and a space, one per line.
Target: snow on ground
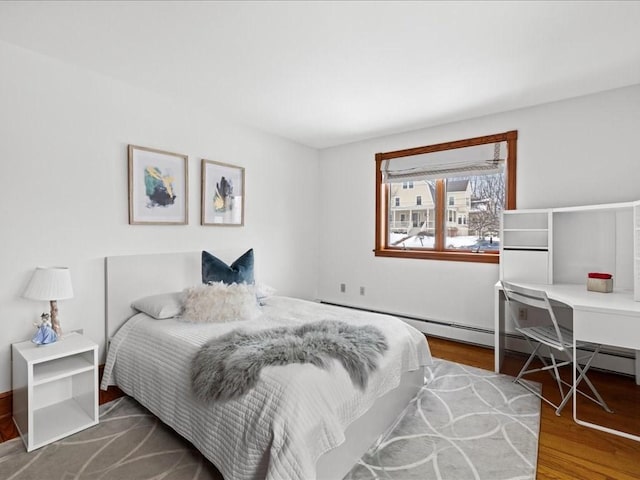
427, 242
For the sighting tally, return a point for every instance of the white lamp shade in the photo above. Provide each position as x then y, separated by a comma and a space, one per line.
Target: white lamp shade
49, 283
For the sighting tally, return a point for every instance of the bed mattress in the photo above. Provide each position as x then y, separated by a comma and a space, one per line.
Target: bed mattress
295, 414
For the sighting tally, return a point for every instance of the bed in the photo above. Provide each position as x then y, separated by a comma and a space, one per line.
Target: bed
299, 422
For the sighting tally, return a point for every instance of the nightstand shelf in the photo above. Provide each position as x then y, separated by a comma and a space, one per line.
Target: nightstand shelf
55, 390
62, 367
60, 420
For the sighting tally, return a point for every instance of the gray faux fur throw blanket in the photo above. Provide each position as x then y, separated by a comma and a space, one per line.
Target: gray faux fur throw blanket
229, 366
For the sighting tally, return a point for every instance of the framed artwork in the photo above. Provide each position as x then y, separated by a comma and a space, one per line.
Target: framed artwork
222, 194
158, 187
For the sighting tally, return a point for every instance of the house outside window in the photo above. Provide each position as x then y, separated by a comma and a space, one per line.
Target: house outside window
460, 189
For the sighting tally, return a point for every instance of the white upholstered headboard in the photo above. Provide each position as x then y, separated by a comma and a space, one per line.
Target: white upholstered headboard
129, 277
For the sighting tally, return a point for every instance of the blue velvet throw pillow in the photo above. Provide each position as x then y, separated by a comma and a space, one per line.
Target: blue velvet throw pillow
215, 270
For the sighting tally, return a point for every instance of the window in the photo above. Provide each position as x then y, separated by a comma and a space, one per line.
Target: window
460, 187
397, 199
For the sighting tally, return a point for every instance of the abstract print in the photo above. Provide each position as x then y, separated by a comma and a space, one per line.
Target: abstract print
223, 197
158, 187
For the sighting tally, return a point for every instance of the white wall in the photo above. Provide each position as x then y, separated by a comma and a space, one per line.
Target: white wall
64, 194
63, 151
574, 152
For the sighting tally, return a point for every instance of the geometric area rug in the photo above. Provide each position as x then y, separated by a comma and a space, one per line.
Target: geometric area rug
465, 423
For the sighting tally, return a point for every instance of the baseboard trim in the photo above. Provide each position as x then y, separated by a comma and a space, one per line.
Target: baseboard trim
611, 361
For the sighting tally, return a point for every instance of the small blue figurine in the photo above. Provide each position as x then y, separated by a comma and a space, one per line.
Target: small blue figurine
45, 334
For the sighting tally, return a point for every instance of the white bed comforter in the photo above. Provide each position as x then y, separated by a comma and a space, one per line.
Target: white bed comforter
296, 412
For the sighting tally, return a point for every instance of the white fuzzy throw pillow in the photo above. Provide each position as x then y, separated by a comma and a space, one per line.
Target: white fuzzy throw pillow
218, 302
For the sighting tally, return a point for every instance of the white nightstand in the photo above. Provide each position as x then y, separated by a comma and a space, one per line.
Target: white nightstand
55, 389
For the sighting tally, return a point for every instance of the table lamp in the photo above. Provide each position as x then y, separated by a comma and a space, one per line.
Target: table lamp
52, 284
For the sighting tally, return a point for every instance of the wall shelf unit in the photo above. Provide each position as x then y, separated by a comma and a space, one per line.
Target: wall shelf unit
562, 245
526, 245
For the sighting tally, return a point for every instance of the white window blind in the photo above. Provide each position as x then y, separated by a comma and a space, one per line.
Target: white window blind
461, 162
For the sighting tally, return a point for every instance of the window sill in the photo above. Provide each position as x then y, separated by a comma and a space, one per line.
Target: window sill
431, 255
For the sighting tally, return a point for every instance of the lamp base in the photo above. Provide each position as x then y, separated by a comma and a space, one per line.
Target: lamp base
55, 323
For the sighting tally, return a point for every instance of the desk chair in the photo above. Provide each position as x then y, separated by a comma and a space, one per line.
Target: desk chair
558, 340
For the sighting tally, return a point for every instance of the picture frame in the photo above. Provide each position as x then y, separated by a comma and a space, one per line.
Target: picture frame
223, 194
158, 187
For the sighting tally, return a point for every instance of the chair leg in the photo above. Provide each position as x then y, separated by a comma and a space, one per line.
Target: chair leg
523, 370
541, 357
551, 368
556, 374
583, 376
564, 396
534, 392
565, 399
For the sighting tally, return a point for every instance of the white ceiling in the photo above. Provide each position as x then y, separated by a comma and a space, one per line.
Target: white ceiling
326, 73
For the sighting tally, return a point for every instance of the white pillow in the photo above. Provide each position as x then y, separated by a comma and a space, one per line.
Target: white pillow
263, 292
164, 305
219, 302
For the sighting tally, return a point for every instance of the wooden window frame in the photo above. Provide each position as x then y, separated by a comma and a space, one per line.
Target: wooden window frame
439, 252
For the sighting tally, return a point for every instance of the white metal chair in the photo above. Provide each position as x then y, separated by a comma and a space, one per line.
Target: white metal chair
558, 340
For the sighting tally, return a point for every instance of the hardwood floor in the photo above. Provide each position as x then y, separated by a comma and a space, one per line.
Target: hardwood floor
568, 451
7, 428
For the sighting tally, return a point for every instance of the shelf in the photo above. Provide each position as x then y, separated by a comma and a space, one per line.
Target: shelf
525, 230
69, 344
525, 248
514, 220
606, 206
532, 238
59, 420
61, 368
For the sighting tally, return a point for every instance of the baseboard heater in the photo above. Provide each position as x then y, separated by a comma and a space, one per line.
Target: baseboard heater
609, 359
417, 319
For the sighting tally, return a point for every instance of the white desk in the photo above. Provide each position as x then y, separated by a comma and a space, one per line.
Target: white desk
606, 318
